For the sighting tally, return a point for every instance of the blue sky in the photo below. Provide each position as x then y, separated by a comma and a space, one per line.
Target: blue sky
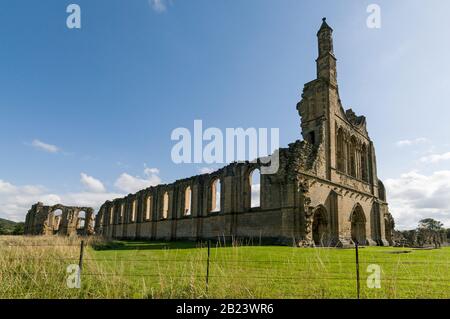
86, 115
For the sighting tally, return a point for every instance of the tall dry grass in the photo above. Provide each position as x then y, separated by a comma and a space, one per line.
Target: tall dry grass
36, 267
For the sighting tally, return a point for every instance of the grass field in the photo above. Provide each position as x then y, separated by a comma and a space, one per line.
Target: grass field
35, 267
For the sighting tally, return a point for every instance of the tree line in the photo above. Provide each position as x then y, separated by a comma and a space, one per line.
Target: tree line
8, 227
429, 233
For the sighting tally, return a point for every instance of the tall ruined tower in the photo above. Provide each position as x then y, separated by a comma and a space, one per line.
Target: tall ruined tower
318, 100
326, 62
344, 149
342, 156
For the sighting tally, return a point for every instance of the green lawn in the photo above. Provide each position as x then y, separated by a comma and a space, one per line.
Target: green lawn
126, 269
179, 270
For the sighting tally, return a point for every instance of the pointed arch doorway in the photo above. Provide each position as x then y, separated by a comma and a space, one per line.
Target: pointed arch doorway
320, 227
358, 225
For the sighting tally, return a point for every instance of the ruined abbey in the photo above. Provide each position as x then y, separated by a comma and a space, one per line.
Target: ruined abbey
59, 220
325, 193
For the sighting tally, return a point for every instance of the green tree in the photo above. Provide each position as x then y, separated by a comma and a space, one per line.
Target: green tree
429, 231
431, 224
19, 229
2, 230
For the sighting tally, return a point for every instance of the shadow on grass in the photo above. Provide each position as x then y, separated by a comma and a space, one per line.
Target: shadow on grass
146, 245
396, 252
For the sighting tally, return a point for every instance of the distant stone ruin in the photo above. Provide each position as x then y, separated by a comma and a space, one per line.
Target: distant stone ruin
59, 220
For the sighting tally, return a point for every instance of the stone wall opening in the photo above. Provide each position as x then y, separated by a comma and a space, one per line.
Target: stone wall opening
81, 221
364, 164
340, 153
352, 162
320, 227
133, 211
149, 208
375, 223
122, 213
111, 215
56, 223
187, 201
255, 188
215, 196
165, 210
312, 138
358, 226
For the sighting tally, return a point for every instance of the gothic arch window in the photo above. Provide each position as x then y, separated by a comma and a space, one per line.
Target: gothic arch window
348, 151
57, 216
81, 220
254, 179
133, 211
122, 212
320, 227
358, 225
364, 164
165, 208
149, 208
352, 156
187, 201
340, 159
215, 196
375, 222
312, 137
111, 215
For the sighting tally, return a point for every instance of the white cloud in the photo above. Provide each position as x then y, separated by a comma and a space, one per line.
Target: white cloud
159, 5
15, 201
92, 184
45, 147
414, 196
206, 170
419, 140
7, 188
151, 171
435, 158
132, 184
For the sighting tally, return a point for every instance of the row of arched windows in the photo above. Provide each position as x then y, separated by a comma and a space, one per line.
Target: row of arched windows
352, 156
214, 203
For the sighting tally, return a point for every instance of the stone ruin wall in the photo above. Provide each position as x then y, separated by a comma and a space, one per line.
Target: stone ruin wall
143, 215
43, 220
291, 201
